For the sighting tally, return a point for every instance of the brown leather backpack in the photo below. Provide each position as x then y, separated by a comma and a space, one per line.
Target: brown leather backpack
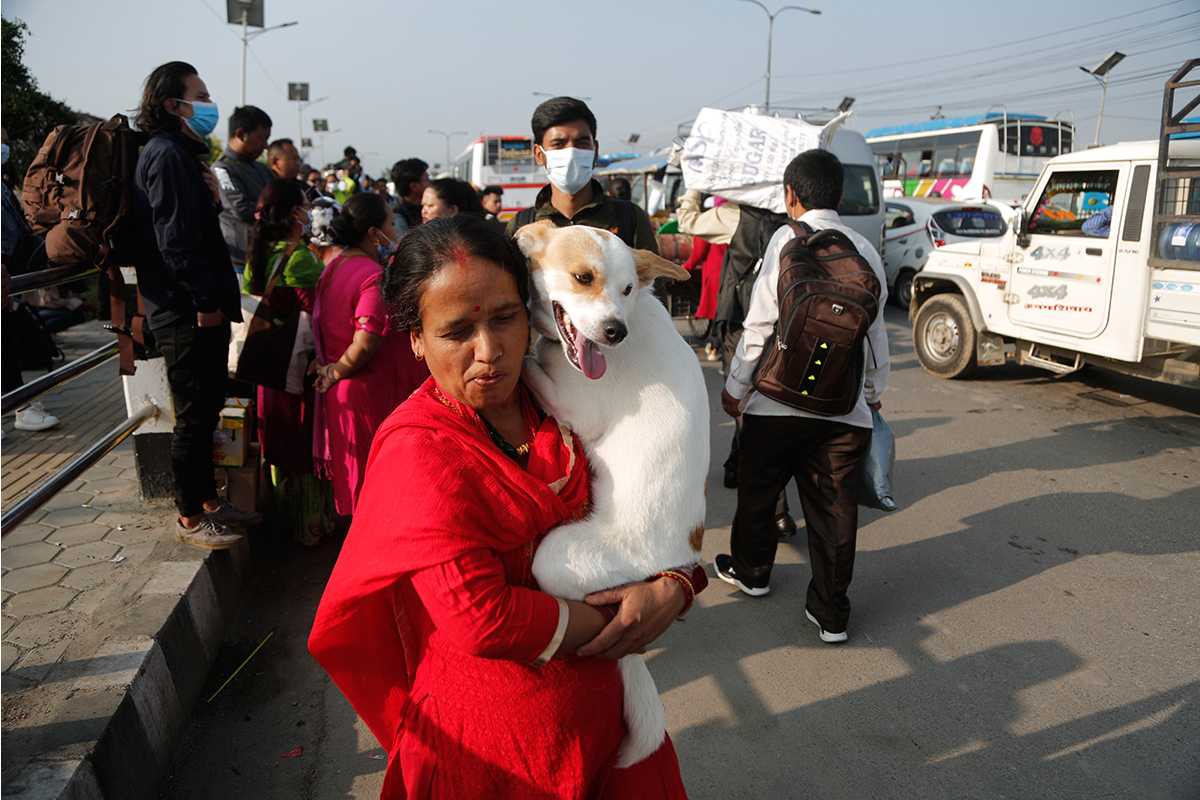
828, 298
77, 194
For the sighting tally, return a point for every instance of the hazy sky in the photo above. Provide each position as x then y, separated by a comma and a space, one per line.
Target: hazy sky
393, 69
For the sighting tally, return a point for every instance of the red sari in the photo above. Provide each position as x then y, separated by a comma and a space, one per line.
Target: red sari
431, 620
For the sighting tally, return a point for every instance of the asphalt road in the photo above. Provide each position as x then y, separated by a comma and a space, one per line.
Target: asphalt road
1027, 624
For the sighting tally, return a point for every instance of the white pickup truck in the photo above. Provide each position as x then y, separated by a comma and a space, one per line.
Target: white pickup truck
1100, 266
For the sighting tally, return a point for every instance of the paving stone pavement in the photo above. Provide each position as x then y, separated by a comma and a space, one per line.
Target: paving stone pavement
109, 625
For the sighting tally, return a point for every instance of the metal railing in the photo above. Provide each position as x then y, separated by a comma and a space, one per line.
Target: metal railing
29, 392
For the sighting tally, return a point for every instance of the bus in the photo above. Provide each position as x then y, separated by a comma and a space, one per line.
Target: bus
996, 155
504, 161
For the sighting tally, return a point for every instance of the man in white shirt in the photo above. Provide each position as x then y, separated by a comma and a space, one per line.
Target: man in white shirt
779, 442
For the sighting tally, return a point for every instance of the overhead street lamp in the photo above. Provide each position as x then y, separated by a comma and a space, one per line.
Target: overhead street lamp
324, 131
770, 36
1100, 73
446, 166
298, 92
248, 14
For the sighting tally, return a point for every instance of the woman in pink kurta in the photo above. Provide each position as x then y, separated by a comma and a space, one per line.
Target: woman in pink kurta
367, 365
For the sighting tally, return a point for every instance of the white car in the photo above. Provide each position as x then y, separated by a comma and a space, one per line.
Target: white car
918, 225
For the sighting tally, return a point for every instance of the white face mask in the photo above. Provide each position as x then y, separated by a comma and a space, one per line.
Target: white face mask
569, 169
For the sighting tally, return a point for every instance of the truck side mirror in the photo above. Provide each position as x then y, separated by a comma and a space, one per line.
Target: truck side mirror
1020, 227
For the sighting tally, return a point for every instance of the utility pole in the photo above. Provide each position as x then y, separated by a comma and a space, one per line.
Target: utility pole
1100, 73
248, 14
771, 36
446, 166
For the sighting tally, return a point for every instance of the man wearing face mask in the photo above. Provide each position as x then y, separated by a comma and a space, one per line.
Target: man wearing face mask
242, 177
189, 289
564, 143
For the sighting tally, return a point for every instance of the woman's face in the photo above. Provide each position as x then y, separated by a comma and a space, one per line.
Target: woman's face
474, 332
432, 206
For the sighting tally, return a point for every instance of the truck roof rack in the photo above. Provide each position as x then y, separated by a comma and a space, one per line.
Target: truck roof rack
1177, 192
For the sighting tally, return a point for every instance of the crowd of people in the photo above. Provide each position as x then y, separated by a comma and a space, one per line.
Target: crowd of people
396, 407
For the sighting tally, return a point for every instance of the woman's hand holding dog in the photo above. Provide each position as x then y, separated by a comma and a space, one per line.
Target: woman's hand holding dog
647, 610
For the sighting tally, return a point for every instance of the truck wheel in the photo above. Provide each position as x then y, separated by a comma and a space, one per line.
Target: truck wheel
945, 337
902, 292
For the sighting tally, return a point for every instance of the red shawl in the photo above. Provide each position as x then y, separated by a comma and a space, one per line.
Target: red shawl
454, 492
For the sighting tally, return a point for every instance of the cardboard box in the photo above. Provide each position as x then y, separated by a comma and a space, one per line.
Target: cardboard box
231, 439
242, 484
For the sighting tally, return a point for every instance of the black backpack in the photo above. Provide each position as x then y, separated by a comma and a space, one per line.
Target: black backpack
828, 298
37, 347
743, 259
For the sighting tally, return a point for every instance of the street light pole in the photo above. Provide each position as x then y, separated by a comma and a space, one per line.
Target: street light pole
1100, 73
771, 36
446, 165
323, 135
300, 106
246, 37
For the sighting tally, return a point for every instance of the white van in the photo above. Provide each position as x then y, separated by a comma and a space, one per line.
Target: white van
862, 204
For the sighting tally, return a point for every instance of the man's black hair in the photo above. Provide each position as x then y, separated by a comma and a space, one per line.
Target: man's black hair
559, 111
249, 119
491, 189
349, 152
815, 176
406, 172
275, 148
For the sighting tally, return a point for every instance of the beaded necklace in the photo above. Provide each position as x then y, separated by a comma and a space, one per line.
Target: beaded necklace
503, 444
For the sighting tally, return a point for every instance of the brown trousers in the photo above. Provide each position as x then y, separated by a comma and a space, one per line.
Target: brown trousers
823, 457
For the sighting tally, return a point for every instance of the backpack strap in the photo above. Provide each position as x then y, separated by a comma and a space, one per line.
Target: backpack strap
247, 174
280, 262
626, 221
523, 217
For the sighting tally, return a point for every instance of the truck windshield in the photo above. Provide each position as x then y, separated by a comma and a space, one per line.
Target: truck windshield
1070, 197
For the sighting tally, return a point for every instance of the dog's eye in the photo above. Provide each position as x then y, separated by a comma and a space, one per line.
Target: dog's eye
583, 277
628, 289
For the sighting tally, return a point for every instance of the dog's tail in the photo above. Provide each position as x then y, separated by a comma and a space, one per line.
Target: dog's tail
645, 719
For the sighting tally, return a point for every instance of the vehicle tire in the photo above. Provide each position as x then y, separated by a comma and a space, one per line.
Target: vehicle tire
902, 292
945, 337
700, 327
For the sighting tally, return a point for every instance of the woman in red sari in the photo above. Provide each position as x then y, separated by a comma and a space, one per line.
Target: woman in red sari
477, 683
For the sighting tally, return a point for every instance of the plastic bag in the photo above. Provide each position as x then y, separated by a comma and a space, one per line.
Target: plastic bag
742, 156
875, 470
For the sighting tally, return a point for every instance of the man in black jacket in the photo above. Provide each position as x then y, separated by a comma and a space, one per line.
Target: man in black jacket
189, 289
410, 178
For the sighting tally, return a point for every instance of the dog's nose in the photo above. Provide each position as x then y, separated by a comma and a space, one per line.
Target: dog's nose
615, 331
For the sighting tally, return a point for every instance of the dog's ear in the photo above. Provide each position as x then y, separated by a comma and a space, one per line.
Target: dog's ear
533, 238
650, 266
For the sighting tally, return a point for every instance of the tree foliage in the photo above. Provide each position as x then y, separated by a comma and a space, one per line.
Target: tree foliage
29, 115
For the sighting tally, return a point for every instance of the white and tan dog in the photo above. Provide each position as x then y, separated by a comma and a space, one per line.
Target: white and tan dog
611, 366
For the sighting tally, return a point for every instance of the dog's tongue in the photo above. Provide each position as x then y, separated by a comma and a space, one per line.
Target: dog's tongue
591, 360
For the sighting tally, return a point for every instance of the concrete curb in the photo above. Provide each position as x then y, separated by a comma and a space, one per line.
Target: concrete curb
127, 705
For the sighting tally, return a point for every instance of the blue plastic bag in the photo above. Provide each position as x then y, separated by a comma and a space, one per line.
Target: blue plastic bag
875, 470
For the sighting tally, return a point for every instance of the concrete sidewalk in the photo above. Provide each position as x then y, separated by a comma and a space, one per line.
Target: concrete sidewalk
109, 625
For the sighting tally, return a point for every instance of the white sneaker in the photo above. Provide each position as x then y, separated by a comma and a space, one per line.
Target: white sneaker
826, 636
34, 417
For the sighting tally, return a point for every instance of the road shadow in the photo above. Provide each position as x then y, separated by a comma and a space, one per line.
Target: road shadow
899, 712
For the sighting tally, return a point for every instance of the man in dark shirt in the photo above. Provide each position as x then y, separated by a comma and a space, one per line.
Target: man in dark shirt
410, 179
241, 177
189, 289
564, 143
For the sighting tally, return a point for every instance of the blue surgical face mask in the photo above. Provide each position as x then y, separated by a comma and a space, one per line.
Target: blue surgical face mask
387, 251
204, 117
3, 154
